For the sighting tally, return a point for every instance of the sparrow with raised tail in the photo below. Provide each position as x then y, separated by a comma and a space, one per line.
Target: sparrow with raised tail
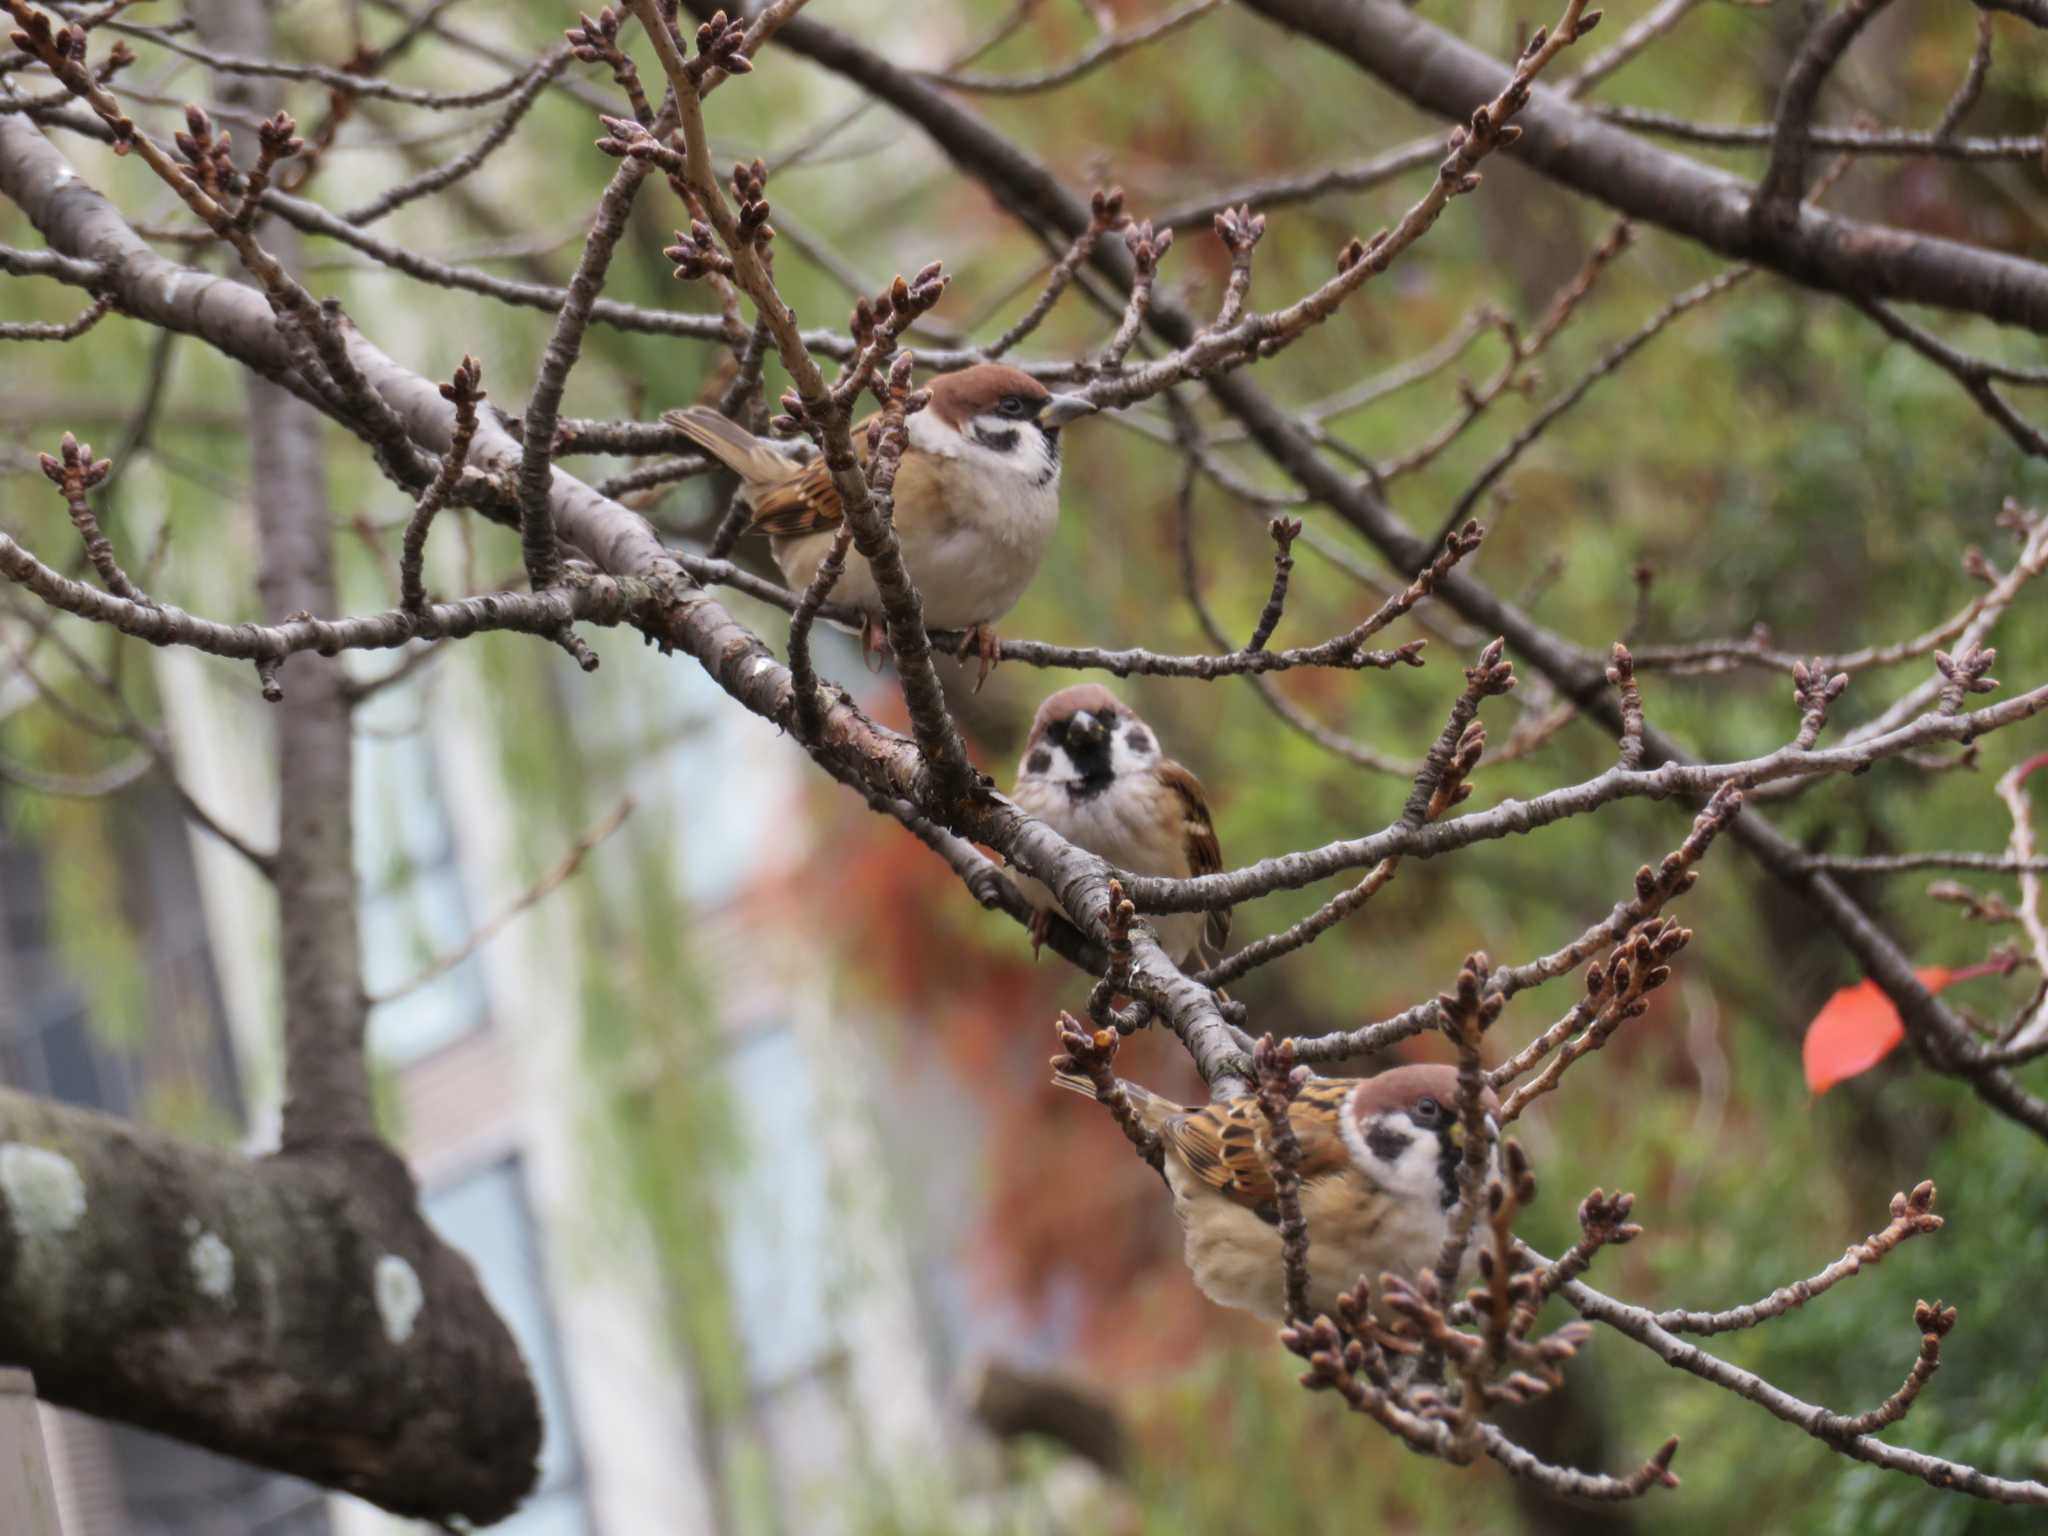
976, 498
1093, 772
1379, 1175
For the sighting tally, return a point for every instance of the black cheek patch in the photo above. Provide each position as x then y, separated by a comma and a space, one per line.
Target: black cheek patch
1137, 740
1002, 440
1386, 1143
1039, 761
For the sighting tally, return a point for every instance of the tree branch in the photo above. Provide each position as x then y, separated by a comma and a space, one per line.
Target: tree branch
1446, 76
139, 1273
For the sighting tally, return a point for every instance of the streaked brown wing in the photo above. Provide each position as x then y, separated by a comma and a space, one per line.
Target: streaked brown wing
1205, 854
807, 502
1223, 1144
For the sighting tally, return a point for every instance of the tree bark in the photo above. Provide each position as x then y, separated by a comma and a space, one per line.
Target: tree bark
327, 1080
295, 1311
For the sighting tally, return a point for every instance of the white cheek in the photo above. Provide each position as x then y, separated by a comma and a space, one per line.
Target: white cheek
1062, 769
926, 433
1418, 1170
1413, 1175
1122, 759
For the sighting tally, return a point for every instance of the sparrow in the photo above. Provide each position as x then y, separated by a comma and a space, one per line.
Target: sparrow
1379, 1175
1093, 772
976, 498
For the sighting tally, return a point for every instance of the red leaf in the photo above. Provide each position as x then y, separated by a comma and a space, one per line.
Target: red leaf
1857, 1029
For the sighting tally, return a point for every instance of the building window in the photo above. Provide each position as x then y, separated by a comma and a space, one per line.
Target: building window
798, 1434
413, 905
486, 1216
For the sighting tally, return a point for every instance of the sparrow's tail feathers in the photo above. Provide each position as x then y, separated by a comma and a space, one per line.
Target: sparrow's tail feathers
1153, 1112
728, 442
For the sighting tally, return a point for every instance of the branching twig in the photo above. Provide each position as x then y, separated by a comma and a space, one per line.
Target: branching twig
74, 474
1615, 993
1221, 349
1450, 789
1285, 530
1279, 1079
1106, 215
69, 330
2021, 852
600, 601
873, 537
1912, 1216
1110, 45
1783, 185
1465, 1014
465, 393
1558, 404
1093, 1056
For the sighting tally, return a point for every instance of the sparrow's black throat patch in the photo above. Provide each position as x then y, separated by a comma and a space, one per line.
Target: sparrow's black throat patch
1091, 783
1089, 755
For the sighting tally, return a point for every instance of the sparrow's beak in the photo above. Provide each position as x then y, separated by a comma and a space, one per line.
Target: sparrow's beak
1061, 409
1085, 730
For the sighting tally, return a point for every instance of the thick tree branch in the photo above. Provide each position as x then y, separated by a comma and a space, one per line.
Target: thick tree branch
326, 1069
173, 1285
1783, 187
1446, 76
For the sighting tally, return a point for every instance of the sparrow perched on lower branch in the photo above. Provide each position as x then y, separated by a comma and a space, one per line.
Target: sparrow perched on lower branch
976, 498
1379, 1175
1093, 772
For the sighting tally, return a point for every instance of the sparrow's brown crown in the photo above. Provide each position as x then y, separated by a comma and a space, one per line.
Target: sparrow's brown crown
1402, 1089
957, 398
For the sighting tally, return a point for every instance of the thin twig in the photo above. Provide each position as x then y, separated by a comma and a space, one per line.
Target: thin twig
531, 897
1111, 45
1279, 1080
465, 394
1912, 1216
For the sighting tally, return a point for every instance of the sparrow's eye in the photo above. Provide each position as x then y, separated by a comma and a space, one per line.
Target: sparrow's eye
1013, 405
1427, 1111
